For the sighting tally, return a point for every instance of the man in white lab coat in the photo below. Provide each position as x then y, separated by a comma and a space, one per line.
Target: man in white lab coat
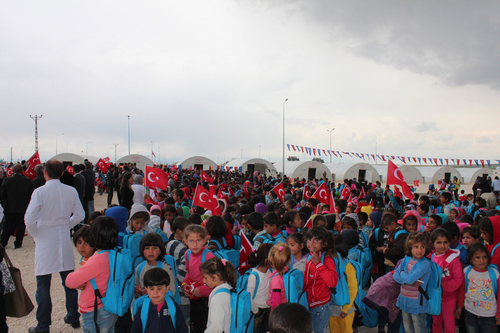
53, 210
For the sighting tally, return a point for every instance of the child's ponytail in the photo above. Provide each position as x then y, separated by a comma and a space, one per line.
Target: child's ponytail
259, 257
220, 267
280, 255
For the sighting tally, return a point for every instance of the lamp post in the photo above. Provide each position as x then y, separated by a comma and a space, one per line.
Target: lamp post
87, 148
56, 140
331, 142
283, 174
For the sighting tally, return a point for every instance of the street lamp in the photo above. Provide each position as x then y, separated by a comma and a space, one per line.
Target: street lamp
87, 148
56, 140
331, 143
283, 174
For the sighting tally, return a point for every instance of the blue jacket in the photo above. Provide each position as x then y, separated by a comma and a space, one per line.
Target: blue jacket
420, 271
160, 322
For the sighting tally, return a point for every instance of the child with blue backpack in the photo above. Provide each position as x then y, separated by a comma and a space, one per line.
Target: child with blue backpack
279, 257
272, 226
479, 292
258, 286
218, 274
454, 232
103, 235
153, 252
394, 250
414, 271
453, 276
292, 222
193, 284
138, 222
298, 251
320, 275
158, 312
342, 317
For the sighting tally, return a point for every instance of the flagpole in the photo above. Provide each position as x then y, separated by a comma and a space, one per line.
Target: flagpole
283, 174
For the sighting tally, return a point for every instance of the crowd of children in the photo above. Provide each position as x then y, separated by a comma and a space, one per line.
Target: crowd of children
186, 273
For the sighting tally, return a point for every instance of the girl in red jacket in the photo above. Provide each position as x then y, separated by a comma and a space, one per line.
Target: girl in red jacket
320, 275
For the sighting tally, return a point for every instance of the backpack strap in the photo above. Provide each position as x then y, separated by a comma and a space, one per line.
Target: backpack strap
399, 233
217, 243
171, 308
493, 276
257, 281
140, 267
377, 230
467, 271
223, 290
144, 313
493, 250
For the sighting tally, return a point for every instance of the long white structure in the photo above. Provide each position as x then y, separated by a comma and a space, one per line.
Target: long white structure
360, 171
255, 164
71, 159
304, 170
140, 160
470, 174
433, 174
199, 162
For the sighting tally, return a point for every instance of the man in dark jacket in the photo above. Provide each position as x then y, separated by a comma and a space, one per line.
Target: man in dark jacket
16, 194
39, 179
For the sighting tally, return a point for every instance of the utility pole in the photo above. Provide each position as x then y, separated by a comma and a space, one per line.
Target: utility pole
116, 144
35, 118
128, 136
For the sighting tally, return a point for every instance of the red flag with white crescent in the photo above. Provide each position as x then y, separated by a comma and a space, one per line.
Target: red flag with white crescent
346, 192
246, 249
362, 194
416, 183
395, 177
175, 176
322, 194
30, 166
306, 194
155, 177
69, 168
202, 197
216, 209
103, 164
280, 191
9, 172
206, 178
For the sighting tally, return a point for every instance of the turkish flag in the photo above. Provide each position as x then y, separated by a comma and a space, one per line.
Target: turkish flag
69, 168
346, 192
173, 167
246, 249
206, 178
416, 183
397, 193
395, 177
349, 201
372, 204
306, 194
9, 172
30, 166
333, 206
362, 194
360, 204
309, 223
202, 197
280, 191
216, 210
175, 176
322, 194
103, 164
156, 178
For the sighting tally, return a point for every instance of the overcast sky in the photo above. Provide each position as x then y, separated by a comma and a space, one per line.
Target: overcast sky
209, 78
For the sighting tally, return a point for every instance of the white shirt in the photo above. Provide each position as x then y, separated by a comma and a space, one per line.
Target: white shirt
262, 290
495, 184
219, 311
139, 192
49, 220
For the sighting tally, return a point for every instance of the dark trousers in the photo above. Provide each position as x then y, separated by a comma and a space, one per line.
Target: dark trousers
13, 221
110, 194
44, 310
124, 323
3, 318
199, 315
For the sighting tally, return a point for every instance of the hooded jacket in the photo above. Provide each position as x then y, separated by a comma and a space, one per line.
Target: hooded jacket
120, 215
495, 223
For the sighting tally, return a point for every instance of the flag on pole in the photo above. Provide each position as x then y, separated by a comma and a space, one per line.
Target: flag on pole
395, 177
155, 178
246, 249
280, 191
202, 197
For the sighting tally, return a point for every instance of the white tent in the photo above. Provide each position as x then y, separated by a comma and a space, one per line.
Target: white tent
410, 173
360, 171
254, 164
198, 162
432, 174
70, 158
306, 170
470, 174
140, 160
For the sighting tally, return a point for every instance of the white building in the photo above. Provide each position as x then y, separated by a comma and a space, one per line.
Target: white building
140, 160
432, 174
360, 171
306, 170
470, 174
254, 164
199, 162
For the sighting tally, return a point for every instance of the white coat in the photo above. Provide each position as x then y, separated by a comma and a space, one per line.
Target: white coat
49, 220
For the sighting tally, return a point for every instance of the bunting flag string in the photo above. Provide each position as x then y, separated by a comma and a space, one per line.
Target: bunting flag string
320, 152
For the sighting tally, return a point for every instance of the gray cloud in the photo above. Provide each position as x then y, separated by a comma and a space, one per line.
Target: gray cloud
426, 126
484, 139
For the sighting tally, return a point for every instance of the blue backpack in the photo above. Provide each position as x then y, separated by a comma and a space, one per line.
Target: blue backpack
400, 232
494, 248
368, 316
433, 291
237, 242
492, 270
145, 301
225, 252
364, 236
170, 260
340, 294
294, 287
364, 258
242, 282
120, 288
203, 255
132, 242
242, 318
